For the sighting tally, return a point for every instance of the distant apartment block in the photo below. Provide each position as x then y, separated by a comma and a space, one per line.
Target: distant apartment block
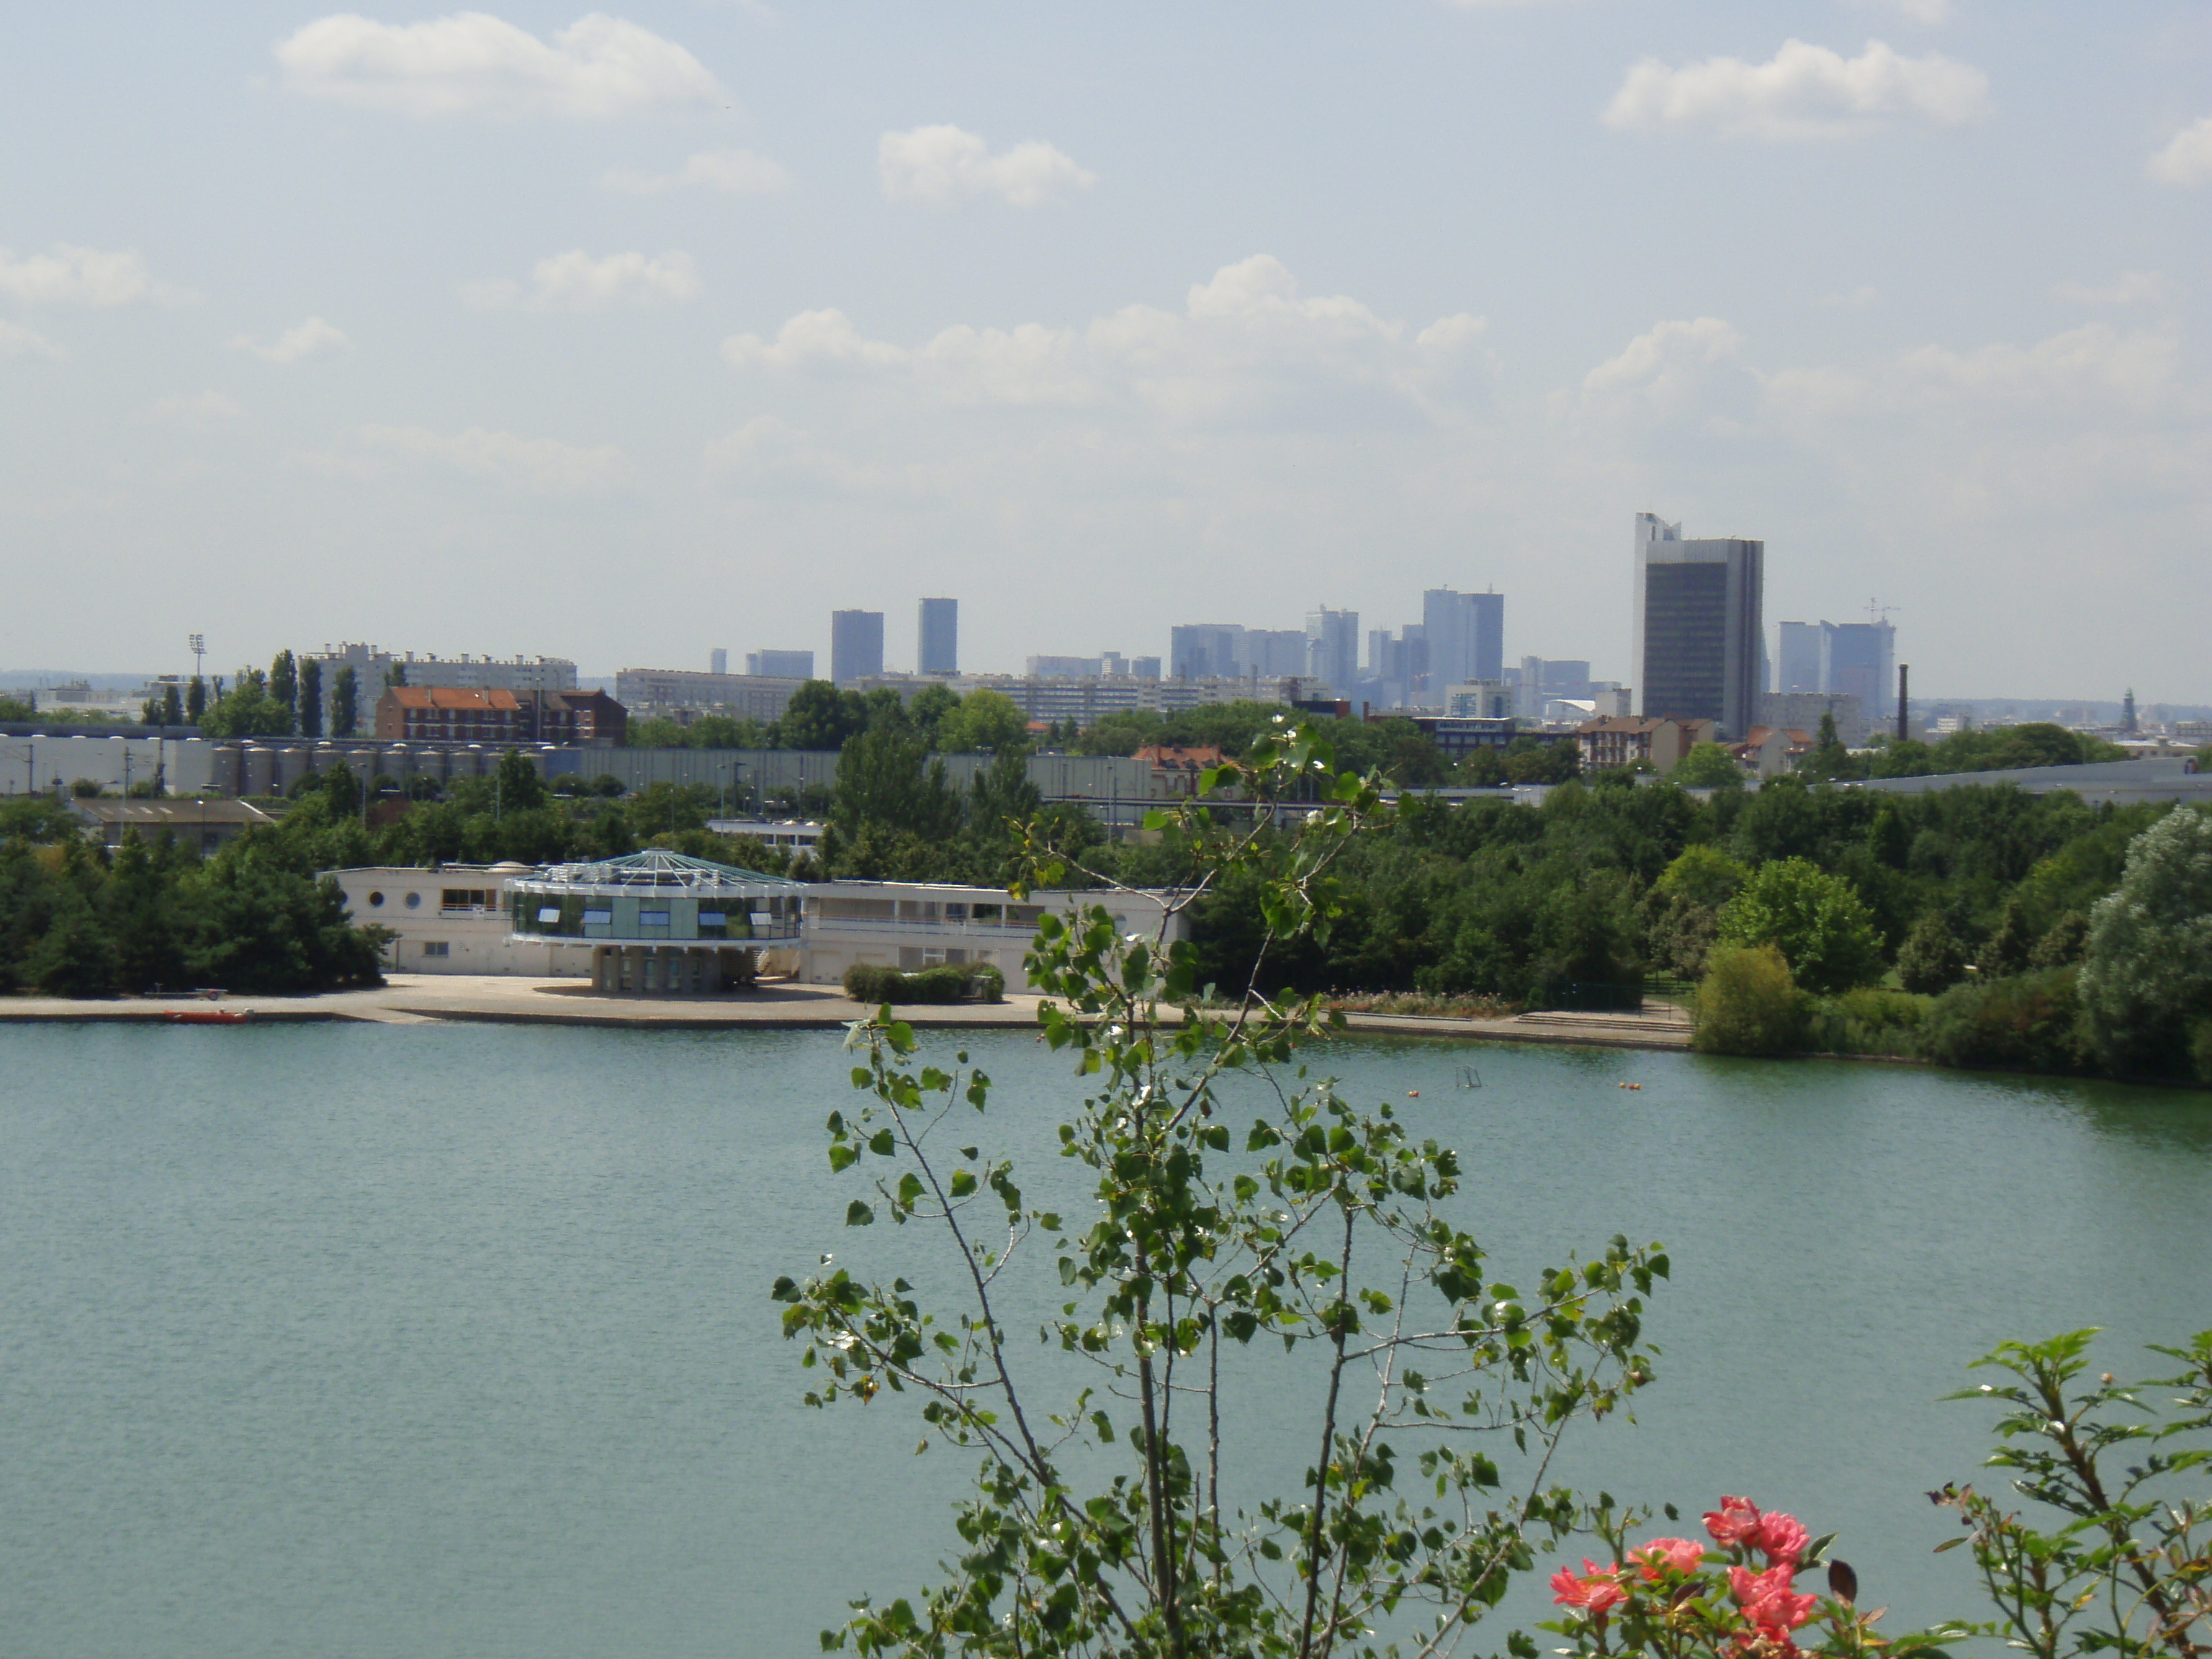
1802, 710
678, 691
780, 665
718, 662
936, 645
1700, 641
856, 645
1466, 636
1199, 651
1484, 700
1109, 665
1607, 744
372, 667
1084, 700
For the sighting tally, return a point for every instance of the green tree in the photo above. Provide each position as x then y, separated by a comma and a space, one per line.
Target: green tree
1813, 918
1707, 766
1703, 873
284, 684
985, 721
248, 710
395, 674
196, 699
2148, 970
172, 705
345, 702
1829, 760
1931, 959
929, 711
1109, 1522
518, 785
311, 697
886, 777
820, 717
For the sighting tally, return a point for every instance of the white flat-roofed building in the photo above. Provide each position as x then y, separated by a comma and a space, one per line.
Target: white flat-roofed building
913, 924
793, 835
452, 920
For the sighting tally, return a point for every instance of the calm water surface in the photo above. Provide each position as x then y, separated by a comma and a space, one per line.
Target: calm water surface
425, 1341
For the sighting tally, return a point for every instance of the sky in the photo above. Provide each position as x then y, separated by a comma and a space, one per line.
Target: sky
625, 336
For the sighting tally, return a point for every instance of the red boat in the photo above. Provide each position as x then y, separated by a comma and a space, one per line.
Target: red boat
210, 1016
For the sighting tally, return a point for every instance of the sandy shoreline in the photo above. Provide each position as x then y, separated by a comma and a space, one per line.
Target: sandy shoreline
419, 998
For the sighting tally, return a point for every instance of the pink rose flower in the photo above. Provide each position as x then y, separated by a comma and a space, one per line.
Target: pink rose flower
1777, 1614
1755, 1587
1665, 1555
1735, 1523
1782, 1536
1597, 1588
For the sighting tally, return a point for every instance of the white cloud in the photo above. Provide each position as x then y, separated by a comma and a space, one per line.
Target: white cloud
1248, 347
1803, 92
81, 276
2187, 157
475, 64
576, 282
945, 167
196, 413
2130, 288
308, 342
1929, 14
1670, 373
537, 466
734, 172
16, 341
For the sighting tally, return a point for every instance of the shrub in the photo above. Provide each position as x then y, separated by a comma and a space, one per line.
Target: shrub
1868, 1021
2029, 1021
1747, 1003
951, 982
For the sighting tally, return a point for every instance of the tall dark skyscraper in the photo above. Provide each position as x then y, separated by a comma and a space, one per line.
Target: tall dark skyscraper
1699, 646
856, 645
936, 649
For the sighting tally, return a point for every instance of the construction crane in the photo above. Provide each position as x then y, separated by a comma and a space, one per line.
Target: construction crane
1876, 609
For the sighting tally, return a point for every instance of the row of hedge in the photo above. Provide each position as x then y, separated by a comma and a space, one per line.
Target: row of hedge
2032, 1022
950, 983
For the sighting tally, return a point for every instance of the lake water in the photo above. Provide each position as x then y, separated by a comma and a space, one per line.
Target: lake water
449, 1340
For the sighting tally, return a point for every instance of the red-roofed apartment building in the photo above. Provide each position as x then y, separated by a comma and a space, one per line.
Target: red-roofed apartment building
452, 714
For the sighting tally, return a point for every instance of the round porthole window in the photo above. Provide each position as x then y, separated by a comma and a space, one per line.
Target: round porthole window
414, 900
375, 900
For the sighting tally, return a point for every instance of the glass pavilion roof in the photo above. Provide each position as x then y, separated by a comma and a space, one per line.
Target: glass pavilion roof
656, 872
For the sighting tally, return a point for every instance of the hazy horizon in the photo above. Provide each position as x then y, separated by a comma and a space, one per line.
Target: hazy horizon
624, 338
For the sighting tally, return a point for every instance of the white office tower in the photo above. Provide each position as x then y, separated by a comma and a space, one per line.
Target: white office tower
1333, 648
718, 662
1699, 646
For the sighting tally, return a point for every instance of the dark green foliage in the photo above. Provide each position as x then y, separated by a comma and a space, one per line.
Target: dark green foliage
311, 697
2066, 942
196, 698
950, 983
1707, 766
284, 682
2147, 975
1932, 959
74, 922
2030, 1022
345, 702
249, 709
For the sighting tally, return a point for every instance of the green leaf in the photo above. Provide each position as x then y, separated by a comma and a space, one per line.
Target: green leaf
859, 1213
963, 1183
843, 1156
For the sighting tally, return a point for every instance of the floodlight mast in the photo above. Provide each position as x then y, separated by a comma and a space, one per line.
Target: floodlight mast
198, 643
